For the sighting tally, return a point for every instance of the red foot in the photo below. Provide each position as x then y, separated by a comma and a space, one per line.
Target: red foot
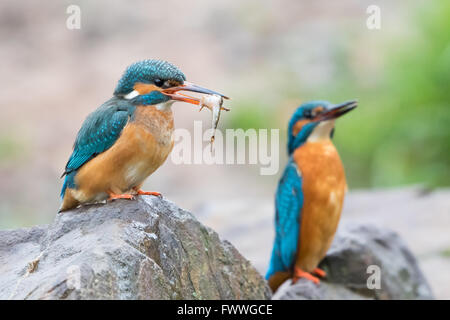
299, 273
149, 193
113, 196
320, 273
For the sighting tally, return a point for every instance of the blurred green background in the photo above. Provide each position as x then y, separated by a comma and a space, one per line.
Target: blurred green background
400, 134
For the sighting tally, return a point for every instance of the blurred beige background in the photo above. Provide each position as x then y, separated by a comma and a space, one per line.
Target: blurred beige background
269, 56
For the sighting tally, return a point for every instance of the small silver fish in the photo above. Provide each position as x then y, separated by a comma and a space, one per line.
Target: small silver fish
213, 103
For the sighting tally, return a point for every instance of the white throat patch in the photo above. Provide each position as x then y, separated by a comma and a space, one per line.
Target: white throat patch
321, 132
164, 106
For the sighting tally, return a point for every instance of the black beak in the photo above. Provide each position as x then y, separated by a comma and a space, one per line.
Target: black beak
337, 111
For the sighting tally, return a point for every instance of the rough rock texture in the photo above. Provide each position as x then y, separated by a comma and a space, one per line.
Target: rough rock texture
143, 249
355, 248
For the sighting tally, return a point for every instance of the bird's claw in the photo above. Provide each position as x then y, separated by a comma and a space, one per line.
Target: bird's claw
319, 272
149, 193
113, 196
299, 273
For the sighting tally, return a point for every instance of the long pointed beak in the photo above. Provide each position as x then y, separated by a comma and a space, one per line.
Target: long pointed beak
337, 111
174, 94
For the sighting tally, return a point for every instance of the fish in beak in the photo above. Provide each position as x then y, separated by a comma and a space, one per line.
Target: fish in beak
174, 93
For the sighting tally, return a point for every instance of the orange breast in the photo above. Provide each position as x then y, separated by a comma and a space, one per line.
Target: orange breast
324, 187
142, 147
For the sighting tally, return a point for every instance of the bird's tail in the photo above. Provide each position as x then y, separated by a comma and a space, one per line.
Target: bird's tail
277, 279
67, 197
69, 182
277, 273
63, 189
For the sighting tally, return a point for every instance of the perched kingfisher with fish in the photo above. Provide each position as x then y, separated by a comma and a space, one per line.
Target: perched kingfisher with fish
128, 137
310, 194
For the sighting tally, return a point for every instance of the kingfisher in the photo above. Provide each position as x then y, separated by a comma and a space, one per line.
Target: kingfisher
310, 194
128, 137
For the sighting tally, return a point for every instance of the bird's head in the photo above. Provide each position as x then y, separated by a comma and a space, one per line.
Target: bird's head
314, 121
156, 82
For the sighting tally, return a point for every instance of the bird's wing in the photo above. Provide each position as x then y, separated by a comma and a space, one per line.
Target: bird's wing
99, 132
288, 204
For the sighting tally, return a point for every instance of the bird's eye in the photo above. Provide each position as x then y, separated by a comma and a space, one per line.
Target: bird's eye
159, 82
307, 113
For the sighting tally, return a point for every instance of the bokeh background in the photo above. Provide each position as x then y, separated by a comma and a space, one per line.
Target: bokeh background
269, 56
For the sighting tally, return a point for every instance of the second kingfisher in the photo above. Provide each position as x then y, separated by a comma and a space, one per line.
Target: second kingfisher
310, 194
127, 138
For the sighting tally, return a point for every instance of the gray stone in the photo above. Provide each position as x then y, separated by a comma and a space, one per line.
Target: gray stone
143, 249
354, 249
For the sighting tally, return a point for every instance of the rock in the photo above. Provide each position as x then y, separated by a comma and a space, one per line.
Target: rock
354, 249
143, 249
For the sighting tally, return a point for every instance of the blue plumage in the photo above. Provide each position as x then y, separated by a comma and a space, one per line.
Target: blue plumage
98, 133
145, 83
289, 198
102, 128
153, 97
302, 112
69, 182
147, 71
288, 204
